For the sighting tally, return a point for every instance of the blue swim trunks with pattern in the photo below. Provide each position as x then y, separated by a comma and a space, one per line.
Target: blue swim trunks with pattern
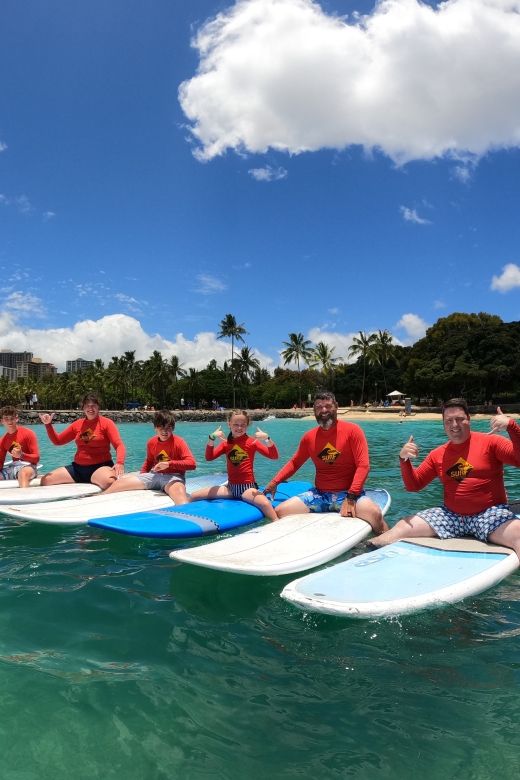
450, 525
323, 501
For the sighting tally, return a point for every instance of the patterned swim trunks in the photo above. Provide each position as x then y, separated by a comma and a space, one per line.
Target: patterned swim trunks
322, 501
450, 525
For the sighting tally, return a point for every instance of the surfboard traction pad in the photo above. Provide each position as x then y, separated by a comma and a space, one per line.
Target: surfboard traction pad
463, 544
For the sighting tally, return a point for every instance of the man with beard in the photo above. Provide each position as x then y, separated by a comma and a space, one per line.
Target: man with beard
340, 453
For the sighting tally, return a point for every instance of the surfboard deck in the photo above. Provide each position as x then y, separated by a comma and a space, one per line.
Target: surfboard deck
77, 511
36, 494
295, 543
202, 518
403, 577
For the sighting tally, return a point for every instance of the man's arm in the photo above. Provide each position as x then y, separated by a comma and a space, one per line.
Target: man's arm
291, 467
359, 446
30, 451
415, 479
506, 451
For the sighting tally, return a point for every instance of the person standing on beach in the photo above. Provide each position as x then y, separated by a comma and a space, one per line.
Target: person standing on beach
93, 435
339, 452
471, 468
168, 458
22, 445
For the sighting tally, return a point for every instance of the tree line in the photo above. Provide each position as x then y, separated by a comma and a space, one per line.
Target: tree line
475, 356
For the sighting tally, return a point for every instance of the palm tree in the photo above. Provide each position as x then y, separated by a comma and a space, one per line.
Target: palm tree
245, 365
156, 375
194, 383
361, 348
323, 355
230, 329
297, 348
382, 351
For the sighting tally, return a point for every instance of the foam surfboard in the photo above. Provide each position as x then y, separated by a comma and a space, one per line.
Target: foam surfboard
13, 483
296, 543
77, 511
202, 518
406, 576
36, 494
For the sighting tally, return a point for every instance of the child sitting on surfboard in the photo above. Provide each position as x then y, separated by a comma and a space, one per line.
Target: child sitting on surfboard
239, 449
168, 457
22, 445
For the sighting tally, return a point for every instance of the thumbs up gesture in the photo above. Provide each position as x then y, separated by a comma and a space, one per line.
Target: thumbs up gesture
259, 435
219, 434
499, 422
410, 450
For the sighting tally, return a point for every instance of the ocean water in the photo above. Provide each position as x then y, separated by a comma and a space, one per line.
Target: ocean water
117, 663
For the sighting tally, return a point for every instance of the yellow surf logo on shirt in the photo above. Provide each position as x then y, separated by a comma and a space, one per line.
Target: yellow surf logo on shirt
87, 435
13, 446
459, 470
329, 454
162, 456
236, 455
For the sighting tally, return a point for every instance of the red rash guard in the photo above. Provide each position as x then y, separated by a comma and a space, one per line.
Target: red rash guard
174, 450
93, 439
339, 454
27, 441
240, 454
472, 473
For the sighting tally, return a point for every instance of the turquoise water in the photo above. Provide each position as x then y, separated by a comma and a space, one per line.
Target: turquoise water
117, 663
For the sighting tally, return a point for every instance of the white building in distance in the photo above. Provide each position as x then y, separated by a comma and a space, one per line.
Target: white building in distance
73, 366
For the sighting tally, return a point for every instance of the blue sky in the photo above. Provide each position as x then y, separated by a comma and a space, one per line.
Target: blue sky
298, 204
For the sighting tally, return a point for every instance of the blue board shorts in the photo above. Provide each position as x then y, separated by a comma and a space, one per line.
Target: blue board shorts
450, 525
322, 501
12, 470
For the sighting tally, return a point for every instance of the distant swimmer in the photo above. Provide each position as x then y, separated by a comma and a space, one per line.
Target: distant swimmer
93, 436
339, 452
240, 450
22, 446
168, 458
471, 468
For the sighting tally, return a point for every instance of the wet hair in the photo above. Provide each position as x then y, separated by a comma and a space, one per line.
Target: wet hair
8, 411
92, 397
162, 418
325, 395
458, 403
236, 413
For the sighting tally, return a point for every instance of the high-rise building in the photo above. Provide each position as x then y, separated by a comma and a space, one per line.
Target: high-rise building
73, 366
10, 359
35, 367
10, 373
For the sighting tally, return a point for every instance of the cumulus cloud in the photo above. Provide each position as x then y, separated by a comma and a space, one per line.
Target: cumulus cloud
411, 215
414, 81
508, 279
414, 325
3, 147
341, 341
268, 173
112, 335
23, 303
48, 215
210, 284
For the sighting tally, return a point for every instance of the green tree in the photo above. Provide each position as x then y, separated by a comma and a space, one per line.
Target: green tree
230, 329
361, 347
296, 349
382, 352
323, 358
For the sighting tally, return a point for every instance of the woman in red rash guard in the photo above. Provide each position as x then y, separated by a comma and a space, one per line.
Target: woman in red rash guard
93, 436
239, 449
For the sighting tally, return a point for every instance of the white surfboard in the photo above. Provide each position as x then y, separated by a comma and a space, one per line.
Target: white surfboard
13, 483
77, 511
36, 494
406, 576
296, 543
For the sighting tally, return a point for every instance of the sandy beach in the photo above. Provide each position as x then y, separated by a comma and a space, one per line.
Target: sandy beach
344, 414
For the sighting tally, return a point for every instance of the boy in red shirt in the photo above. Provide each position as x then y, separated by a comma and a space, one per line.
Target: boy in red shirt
22, 445
168, 457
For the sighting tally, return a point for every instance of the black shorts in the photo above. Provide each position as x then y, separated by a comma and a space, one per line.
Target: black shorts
84, 473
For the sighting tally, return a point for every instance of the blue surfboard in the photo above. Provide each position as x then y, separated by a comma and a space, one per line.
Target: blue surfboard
403, 577
202, 518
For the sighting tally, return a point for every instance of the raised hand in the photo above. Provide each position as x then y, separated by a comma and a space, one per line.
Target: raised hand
410, 450
219, 434
270, 489
499, 422
259, 435
46, 418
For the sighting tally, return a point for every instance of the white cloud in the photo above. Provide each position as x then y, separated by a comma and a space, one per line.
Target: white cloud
439, 305
414, 81
508, 279
210, 284
333, 311
125, 298
21, 201
48, 215
23, 302
268, 173
414, 325
3, 146
112, 335
411, 215
341, 341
